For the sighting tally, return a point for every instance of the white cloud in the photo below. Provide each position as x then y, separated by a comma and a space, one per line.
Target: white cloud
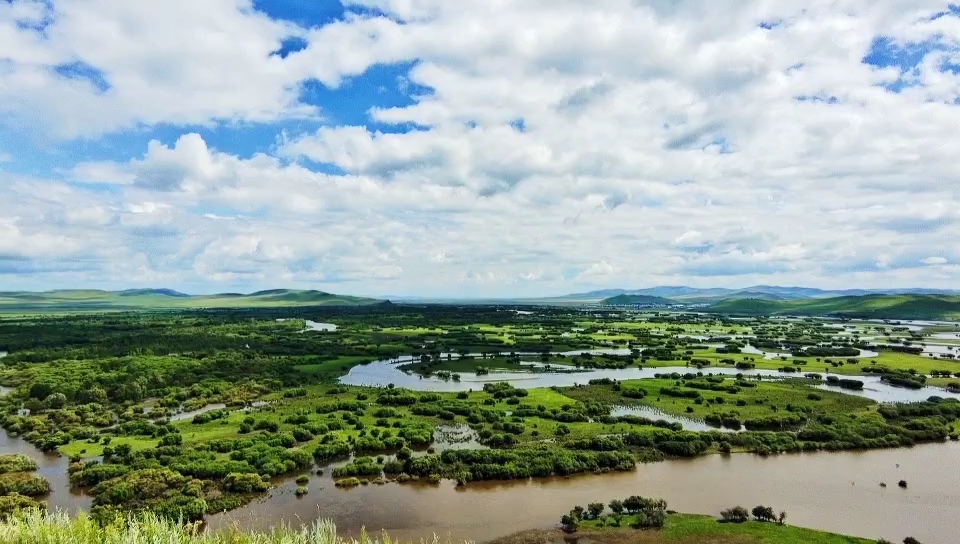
572, 145
175, 62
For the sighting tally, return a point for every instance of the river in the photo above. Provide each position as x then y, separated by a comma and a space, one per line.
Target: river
53, 467
384, 372
833, 491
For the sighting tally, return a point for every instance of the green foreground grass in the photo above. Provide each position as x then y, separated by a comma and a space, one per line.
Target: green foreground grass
34, 526
690, 528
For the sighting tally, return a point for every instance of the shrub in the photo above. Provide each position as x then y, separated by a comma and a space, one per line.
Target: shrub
737, 514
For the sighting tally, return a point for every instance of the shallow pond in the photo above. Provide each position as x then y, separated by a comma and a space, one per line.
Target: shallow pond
315, 326
456, 437
688, 423
832, 491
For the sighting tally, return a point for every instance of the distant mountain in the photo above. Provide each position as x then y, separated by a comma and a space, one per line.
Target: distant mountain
771, 292
66, 300
630, 300
164, 292
877, 306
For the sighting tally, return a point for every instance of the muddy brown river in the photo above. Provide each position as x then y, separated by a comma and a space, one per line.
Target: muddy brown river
833, 491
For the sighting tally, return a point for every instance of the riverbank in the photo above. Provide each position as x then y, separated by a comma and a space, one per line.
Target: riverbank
685, 529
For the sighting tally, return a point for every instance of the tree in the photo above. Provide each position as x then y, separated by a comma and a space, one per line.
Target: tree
763, 513
40, 390
577, 512
910, 540
737, 514
569, 522
616, 505
56, 401
782, 517
595, 509
633, 504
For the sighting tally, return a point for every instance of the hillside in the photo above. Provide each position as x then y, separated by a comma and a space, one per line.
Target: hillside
630, 300
908, 306
165, 299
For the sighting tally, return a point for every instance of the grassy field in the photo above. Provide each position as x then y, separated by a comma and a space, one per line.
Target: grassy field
333, 368
689, 529
768, 398
893, 360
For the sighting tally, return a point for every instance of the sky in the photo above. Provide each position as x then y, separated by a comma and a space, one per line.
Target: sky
498, 148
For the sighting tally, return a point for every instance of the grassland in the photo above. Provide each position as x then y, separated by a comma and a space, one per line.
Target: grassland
766, 399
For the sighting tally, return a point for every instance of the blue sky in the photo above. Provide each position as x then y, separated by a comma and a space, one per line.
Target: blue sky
388, 147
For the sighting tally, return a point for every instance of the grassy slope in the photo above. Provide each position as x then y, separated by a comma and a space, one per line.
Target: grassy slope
79, 300
691, 529
869, 306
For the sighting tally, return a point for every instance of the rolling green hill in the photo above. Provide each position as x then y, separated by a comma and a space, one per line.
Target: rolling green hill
868, 306
629, 300
165, 299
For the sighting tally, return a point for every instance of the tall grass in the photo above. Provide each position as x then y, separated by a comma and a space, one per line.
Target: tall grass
39, 527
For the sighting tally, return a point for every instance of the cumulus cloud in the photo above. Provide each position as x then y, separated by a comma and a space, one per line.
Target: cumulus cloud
575, 145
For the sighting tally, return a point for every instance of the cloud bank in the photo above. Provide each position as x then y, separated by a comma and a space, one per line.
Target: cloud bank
414, 147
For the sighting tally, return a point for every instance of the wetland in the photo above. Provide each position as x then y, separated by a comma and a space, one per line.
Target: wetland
255, 416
